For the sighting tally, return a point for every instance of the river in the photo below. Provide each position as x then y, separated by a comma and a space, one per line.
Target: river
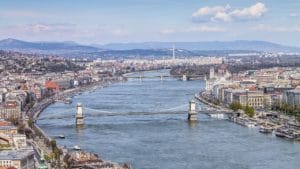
163, 141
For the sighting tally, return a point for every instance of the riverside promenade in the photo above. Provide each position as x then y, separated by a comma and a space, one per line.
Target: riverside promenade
283, 126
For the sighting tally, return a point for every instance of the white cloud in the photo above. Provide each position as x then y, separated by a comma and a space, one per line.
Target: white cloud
209, 13
227, 14
222, 16
19, 13
119, 32
193, 29
167, 31
293, 14
254, 11
273, 28
61, 27
61, 32
204, 28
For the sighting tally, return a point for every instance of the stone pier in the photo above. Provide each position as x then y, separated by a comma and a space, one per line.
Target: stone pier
79, 115
192, 115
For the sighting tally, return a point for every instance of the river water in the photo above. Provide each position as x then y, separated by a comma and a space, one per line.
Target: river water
163, 141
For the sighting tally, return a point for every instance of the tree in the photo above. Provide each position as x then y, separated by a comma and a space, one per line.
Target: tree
249, 111
235, 106
53, 144
30, 122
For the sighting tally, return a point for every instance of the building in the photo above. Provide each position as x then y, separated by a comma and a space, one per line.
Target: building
50, 85
255, 99
228, 94
19, 141
10, 109
292, 97
38, 91
211, 73
6, 129
20, 159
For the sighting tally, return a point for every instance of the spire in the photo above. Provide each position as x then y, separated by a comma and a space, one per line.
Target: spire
173, 52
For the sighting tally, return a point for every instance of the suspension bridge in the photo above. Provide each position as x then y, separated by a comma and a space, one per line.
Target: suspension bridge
93, 112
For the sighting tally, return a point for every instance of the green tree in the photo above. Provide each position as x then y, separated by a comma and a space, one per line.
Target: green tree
30, 122
235, 106
53, 144
249, 111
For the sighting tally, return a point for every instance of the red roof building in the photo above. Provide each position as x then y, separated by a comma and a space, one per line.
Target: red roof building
51, 85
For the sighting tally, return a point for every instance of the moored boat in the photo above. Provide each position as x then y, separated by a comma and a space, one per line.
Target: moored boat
266, 129
280, 132
76, 147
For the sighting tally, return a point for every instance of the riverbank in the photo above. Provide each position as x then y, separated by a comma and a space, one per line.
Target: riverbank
278, 125
43, 143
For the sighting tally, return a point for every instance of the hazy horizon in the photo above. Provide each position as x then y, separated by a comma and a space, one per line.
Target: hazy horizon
141, 42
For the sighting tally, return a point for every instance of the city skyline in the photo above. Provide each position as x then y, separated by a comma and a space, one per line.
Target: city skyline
150, 20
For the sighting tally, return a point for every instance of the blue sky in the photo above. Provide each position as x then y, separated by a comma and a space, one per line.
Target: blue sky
106, 21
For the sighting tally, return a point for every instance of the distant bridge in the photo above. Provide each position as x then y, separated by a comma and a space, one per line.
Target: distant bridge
163, 76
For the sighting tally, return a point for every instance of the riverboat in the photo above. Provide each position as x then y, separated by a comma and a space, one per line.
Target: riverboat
281, 132
265, 129
76, 147
61, 136
68, 100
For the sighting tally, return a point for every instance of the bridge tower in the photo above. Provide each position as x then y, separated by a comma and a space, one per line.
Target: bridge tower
184, 77
192, 115
141, 76
79, 115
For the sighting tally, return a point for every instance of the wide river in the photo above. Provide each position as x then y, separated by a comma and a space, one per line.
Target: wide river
163, 141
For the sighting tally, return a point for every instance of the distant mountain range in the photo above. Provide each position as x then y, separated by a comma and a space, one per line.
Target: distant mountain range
74, 49
45, 47
205, 46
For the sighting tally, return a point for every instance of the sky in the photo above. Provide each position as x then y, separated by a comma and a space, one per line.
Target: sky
122, 21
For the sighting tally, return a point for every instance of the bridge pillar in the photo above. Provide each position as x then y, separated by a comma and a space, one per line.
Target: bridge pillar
79, 115
192, 115
184, 78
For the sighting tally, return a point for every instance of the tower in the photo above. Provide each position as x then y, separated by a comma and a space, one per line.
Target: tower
79, 115
211, 72
192, 115
173, 52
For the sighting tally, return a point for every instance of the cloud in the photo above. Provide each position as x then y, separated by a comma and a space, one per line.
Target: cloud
61, 32
293, 14
167, 31
60, 27
205, 28
273, 28
227, 14
19, 13
255, 11
193, 29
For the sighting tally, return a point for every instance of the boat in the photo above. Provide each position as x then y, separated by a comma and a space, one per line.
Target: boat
76, 147
292, 134
217, 116
61, 136
68, 100
265, 129
281, 132
250, 124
